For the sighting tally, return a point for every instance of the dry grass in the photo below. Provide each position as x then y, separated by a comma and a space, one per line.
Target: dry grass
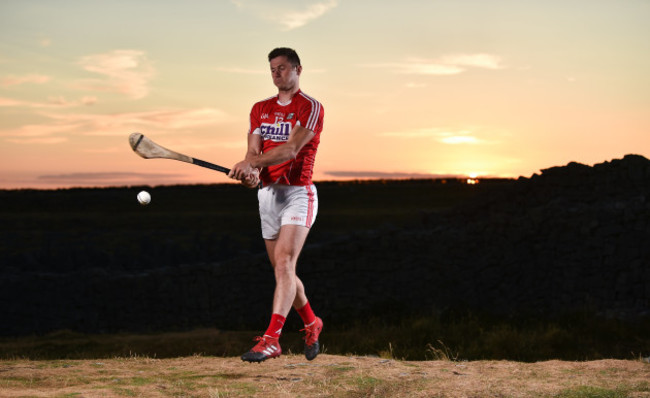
327, 376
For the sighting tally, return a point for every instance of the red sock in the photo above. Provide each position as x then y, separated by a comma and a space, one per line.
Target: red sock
275, 326
307, 315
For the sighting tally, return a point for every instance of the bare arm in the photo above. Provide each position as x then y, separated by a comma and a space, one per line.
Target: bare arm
243, 170
254, 146
298, 138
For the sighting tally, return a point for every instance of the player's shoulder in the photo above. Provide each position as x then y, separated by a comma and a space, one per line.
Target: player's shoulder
309, 99
306, 97
270, 100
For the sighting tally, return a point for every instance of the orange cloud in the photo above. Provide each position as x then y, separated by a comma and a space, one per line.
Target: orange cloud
37, 140
243, 71
110, 125
284, 13
444, 136
53, 102
38, 130
162, 119
486, 61
126, 72
10, 102
446, 65
12, 80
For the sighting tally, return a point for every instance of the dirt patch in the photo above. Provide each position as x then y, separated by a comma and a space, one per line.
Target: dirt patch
327, 376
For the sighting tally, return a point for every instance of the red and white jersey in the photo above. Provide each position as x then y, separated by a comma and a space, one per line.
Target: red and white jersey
274, 122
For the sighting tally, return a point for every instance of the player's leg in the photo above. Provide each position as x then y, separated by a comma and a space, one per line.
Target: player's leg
287, 213
290, 290
268, 345
284, 253
313, 324
301, 298
300, 303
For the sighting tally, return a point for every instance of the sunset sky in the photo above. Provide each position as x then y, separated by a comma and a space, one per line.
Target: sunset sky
410, 88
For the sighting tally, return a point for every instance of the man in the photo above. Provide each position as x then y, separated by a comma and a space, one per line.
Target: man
283, 138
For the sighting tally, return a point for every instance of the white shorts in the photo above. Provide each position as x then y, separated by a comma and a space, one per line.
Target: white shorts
286, 204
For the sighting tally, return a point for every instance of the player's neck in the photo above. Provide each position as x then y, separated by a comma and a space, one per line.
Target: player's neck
285, 96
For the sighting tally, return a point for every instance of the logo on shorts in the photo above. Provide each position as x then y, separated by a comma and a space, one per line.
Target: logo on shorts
296, 218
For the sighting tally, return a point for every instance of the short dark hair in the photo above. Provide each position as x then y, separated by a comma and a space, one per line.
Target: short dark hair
291, 54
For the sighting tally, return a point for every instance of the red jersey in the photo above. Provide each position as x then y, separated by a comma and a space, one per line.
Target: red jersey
274, 122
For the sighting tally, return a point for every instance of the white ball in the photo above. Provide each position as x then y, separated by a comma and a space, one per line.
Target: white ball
144, 198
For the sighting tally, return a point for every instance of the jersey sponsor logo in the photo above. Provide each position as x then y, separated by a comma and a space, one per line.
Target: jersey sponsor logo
277, 132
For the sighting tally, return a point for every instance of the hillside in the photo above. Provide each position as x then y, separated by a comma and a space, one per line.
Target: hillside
573, 238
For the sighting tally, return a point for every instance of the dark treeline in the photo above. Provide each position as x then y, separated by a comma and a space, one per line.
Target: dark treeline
571, 239
67, 230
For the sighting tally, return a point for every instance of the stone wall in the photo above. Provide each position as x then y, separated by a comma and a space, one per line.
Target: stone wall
574, 238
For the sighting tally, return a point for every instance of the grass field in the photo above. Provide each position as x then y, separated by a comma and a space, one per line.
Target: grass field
327, 376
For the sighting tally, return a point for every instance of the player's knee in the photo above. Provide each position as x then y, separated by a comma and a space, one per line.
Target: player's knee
284, 265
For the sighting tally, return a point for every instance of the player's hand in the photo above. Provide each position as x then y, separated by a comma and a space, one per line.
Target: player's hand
241, 170
252, 180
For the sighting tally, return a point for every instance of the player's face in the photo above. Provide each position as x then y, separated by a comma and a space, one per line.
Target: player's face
285, 76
